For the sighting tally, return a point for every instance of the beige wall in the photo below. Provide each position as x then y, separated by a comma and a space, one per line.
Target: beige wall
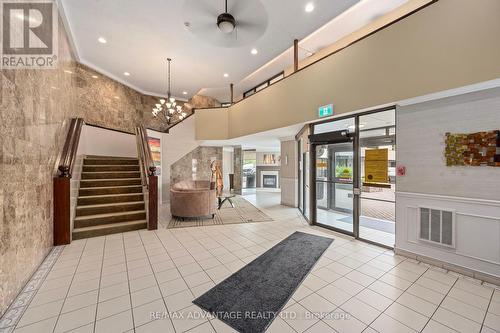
288, 173
448, 44
212, 124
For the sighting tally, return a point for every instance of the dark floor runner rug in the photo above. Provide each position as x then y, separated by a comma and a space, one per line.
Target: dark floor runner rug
251, 298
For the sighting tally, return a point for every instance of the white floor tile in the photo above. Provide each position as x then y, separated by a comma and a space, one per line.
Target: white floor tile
455, 321
302, 319
120, 322
435, 327
317, 305
40, 312
144, 314
360, 310
387, 324
417, 304
320, 327
492, 321
46, 325
145, 296
75, 319
463, 309
385, 289
334, 294
374, 299
344, 323
113, 306
189, 318
160, 325
179, 301
407, 316
173, 287
80, 301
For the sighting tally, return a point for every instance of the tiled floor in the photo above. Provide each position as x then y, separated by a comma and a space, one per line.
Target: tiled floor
333, 219
122, 283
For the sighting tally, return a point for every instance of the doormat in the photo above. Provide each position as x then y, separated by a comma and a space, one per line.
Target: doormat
250, 299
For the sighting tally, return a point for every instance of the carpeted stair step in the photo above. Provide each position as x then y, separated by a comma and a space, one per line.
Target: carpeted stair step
111, 175
110, 190
110, 167
109, 208
108, 229
111, 198
92, 183
109, 218
110, 161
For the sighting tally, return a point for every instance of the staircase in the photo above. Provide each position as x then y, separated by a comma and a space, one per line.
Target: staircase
110, 199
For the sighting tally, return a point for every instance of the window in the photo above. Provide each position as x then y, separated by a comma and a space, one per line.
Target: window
264, 84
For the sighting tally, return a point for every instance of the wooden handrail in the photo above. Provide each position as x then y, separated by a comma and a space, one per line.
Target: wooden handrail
148, 174
145, 155
70, 148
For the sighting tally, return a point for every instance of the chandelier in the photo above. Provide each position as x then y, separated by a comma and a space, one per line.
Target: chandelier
168, 111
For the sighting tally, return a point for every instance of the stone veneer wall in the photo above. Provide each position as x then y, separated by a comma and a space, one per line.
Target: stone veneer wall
36, 107
238, 170
195, 165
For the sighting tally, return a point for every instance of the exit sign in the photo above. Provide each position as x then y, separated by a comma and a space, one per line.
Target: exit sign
325, 111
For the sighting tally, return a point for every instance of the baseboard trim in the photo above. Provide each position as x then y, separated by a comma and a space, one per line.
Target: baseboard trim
488, 278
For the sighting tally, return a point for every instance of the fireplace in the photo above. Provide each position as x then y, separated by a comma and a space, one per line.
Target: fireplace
269, 181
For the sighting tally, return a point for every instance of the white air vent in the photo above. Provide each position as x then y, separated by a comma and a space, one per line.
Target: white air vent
437, 226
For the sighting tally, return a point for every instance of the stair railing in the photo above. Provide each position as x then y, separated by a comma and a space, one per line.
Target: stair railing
148, 175
62, 184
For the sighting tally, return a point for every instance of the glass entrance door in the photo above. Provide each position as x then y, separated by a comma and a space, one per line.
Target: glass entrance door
334, 186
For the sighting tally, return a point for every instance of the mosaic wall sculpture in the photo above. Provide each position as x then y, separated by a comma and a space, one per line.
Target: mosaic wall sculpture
475, 149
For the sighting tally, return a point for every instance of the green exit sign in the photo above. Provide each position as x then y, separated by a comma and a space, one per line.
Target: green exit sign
325, 111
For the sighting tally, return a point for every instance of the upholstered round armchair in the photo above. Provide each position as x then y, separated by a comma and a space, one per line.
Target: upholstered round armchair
193, 199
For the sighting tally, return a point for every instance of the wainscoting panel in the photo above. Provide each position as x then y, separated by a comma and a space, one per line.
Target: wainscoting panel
477, 230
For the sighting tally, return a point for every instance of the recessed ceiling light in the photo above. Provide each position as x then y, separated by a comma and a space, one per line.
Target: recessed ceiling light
226, 75
102, 40
254, 51
116, 97
309, 7
126, 73
67, 71
95, 76
184, 92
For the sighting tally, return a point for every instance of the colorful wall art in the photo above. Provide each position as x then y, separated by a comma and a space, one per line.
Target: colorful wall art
155, 145
474, 149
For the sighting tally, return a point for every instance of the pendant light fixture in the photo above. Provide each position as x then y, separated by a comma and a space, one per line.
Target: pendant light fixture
168, 111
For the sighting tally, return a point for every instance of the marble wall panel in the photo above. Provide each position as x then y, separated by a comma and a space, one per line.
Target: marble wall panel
195, 165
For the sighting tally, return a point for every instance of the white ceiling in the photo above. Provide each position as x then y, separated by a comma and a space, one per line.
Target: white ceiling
142, 34
268, 141
351, 20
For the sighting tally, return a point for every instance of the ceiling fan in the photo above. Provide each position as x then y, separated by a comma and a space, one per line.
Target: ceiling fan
226, 22
241, 22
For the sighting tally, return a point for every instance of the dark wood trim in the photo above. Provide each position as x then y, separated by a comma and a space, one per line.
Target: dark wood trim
177, 123
268, 81
153, 203
350, 44
61, 206
109, 129
295, 55
231, 87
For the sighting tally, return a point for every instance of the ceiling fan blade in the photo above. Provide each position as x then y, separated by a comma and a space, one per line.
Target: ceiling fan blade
247, 24
203, 28
241, 7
